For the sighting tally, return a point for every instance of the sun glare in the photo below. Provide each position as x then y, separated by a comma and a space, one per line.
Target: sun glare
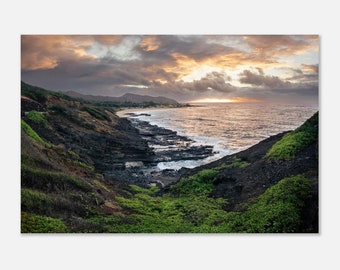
225, 100
212, 100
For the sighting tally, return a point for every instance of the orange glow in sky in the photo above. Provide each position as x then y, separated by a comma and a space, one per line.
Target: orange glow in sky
212, 100
225, 100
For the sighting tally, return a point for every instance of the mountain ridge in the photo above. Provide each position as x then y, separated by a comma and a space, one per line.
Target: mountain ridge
127, 98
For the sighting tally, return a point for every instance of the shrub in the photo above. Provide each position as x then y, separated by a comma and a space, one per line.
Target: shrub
37, 117
58, 109
49, 181
279, 209
198, 184
97, 113
73, 154
168, 214
236, 163
33, 92
101, 185
68, 114
60, 95
31, 223
32, 200
40, 94
83, 165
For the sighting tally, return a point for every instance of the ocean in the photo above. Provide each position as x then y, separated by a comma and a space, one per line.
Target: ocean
228, 127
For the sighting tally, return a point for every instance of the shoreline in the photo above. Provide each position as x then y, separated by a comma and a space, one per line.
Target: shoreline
167, 146
172, 161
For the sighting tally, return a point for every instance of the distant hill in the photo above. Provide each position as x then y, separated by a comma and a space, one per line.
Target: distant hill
127, 98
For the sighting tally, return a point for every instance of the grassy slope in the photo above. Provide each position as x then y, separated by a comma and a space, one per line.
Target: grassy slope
291, 143
279, 209
56, 188
60, 188
61, 191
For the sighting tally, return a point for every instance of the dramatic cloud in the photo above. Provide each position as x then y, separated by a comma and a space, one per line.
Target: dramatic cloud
279, 45
46, 52
248, 77
213, 81
183, 67
305, 74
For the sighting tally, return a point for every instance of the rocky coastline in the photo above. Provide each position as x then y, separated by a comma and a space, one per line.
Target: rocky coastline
165, 145
121, 148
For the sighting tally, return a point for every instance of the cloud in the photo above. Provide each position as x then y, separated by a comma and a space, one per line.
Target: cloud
306, 74
150, 43
178, 66
47, 51
248, 77
184, 54
314, 69
213, 81
300, 87
298, 94
279, 45
108, 40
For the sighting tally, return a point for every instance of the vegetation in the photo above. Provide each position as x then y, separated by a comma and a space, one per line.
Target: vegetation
198, 184
98, 113
37, 117
164, 214
36, 93
278, 210
30, 132
236, 163
31, 223
50, 181
291, 143
35, 201
83, 165
203, 182
73, 154
60, 95
39, 94
186, 208
60, 110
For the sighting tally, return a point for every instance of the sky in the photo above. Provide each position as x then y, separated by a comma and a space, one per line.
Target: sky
187, 68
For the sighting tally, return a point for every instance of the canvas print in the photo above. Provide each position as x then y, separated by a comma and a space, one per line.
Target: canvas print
169, 134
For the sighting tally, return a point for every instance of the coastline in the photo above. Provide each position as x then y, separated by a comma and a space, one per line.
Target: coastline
166, 147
